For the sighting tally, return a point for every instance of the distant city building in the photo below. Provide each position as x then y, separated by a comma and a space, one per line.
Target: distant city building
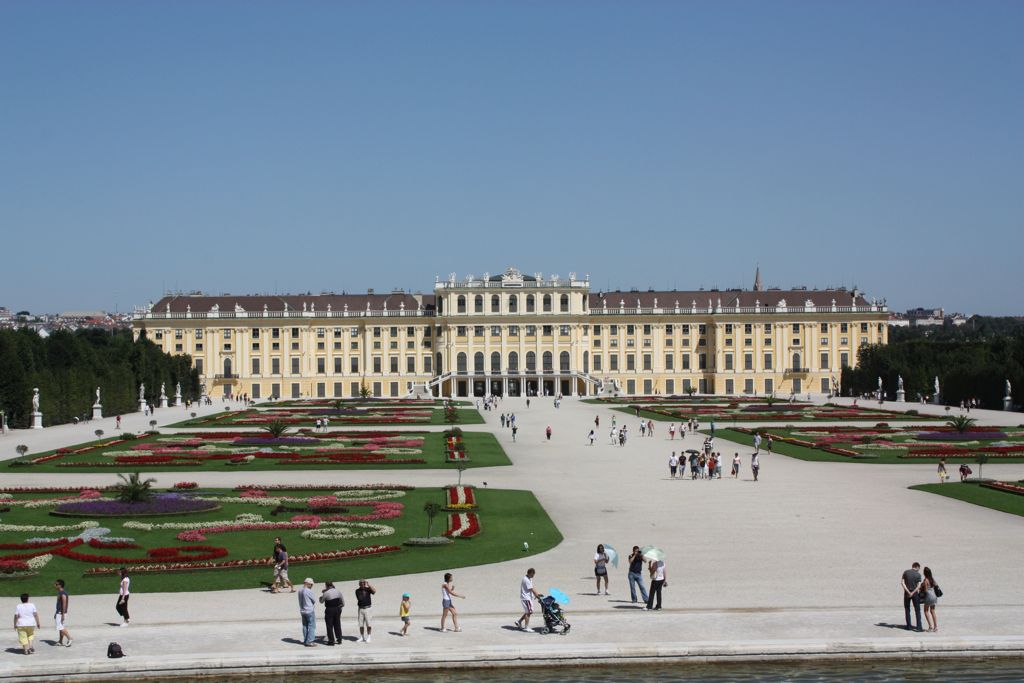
514, 334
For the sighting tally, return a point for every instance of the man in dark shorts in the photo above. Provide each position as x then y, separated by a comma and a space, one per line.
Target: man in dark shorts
911, 583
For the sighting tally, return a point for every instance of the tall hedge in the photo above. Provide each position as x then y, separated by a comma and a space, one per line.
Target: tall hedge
68, 366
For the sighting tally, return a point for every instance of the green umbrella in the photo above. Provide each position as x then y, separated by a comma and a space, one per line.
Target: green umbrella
650, 552
613, 555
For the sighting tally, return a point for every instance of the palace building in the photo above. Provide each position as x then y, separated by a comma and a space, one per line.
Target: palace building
516, 335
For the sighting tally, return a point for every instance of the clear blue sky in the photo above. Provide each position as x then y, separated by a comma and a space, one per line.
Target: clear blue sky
292, 146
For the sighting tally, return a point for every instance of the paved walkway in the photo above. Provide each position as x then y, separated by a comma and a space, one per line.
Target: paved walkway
804, 562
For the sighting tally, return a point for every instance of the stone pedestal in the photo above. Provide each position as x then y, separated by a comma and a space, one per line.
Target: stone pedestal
177, 400
163, 401
1007, 403
142, 406
901, 396
97, 411
936, 400
37, 420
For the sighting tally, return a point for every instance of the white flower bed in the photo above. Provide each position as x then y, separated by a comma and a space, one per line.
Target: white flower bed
245, 518
331, 531
48, 529
38, 562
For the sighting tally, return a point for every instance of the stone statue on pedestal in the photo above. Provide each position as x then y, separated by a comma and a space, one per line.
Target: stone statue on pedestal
37, 417
937, 385
97, 397
899, 382
1009, 389
142, 391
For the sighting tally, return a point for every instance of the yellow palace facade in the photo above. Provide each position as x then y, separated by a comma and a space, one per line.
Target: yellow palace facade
514, 334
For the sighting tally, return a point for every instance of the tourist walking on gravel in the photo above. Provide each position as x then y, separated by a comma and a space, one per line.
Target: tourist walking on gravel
755, 465
757, 443
447, 606
333, 601
527, 593
26, 621
943, 475
911, 585
636, 580
591, 437
364, 613
736, 463
601, 568
60, 614
307, 611
673, 465
659, 579
123, 593
547, 432
404, 609
931, 598
280, 558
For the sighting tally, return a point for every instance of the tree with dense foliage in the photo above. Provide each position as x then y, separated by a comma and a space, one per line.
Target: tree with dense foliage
133, 488
68, 366
967, 366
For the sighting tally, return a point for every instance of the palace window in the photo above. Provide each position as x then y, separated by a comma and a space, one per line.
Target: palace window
824, 361
686, 361
630, 362
227, 334
513, 362
728, 329
748, 361
321, 333
824, 328
513, 304
546, 303
513, 330
563, 330
563, 303
668, 361
460, 331
630, 330
337, 365
394, 365
321, 365
767, 328
563, 360
597, 329
376, 364
530, 307
647, 361
547, 330
613, 362
353, 332
295, 366
478, 304
295, 332
478, 363
547, 360
531, 330
597, 363
478, 330
495, 330
686, 329
460, 364
495, 303
767, 361
275, 366
728, 361
702, 361
460, 304
844, 360
531, 361
495, 362
199, 334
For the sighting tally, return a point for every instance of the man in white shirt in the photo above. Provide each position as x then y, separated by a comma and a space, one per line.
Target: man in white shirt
527, 593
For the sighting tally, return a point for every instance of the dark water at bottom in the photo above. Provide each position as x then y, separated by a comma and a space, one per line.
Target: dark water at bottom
935, 669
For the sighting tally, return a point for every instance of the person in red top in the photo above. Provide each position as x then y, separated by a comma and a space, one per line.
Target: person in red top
548, 432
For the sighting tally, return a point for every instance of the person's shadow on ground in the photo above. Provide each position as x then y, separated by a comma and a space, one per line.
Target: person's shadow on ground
292, 641
14, 651
901, 627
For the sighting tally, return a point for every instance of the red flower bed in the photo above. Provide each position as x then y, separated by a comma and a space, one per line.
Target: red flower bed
314, 487
186, 553
463, 525
1005, 486
13, 567
255, 562
186, 485
110, 545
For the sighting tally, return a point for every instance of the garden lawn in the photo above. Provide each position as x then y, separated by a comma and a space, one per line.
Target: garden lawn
507, 518
482, 449
356, 415
886, 455
973, 492
781, 411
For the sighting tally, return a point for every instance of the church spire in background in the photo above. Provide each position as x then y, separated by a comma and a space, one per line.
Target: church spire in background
758, 287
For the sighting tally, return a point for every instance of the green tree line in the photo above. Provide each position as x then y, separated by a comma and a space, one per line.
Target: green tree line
966, 367
68, 366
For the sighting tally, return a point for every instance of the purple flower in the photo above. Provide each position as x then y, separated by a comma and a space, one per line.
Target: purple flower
159, 504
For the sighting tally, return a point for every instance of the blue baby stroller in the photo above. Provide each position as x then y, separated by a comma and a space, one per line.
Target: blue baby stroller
554, 618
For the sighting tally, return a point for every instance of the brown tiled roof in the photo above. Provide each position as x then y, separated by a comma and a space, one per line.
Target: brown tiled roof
337, 302
729, 298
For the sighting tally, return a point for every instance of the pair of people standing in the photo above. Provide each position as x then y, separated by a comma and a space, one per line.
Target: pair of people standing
920, 590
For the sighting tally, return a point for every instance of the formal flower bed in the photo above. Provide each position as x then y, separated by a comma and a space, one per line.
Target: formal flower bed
1006, 486
736, 409
460, 498
902, 443
463, 525
166, 504
255, 562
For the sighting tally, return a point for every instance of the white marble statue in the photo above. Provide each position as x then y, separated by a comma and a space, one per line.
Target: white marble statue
1008, 389
937, 385
97, 395
142, 391
879, 385
177, 389
899, 382
163, 386
35, 400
